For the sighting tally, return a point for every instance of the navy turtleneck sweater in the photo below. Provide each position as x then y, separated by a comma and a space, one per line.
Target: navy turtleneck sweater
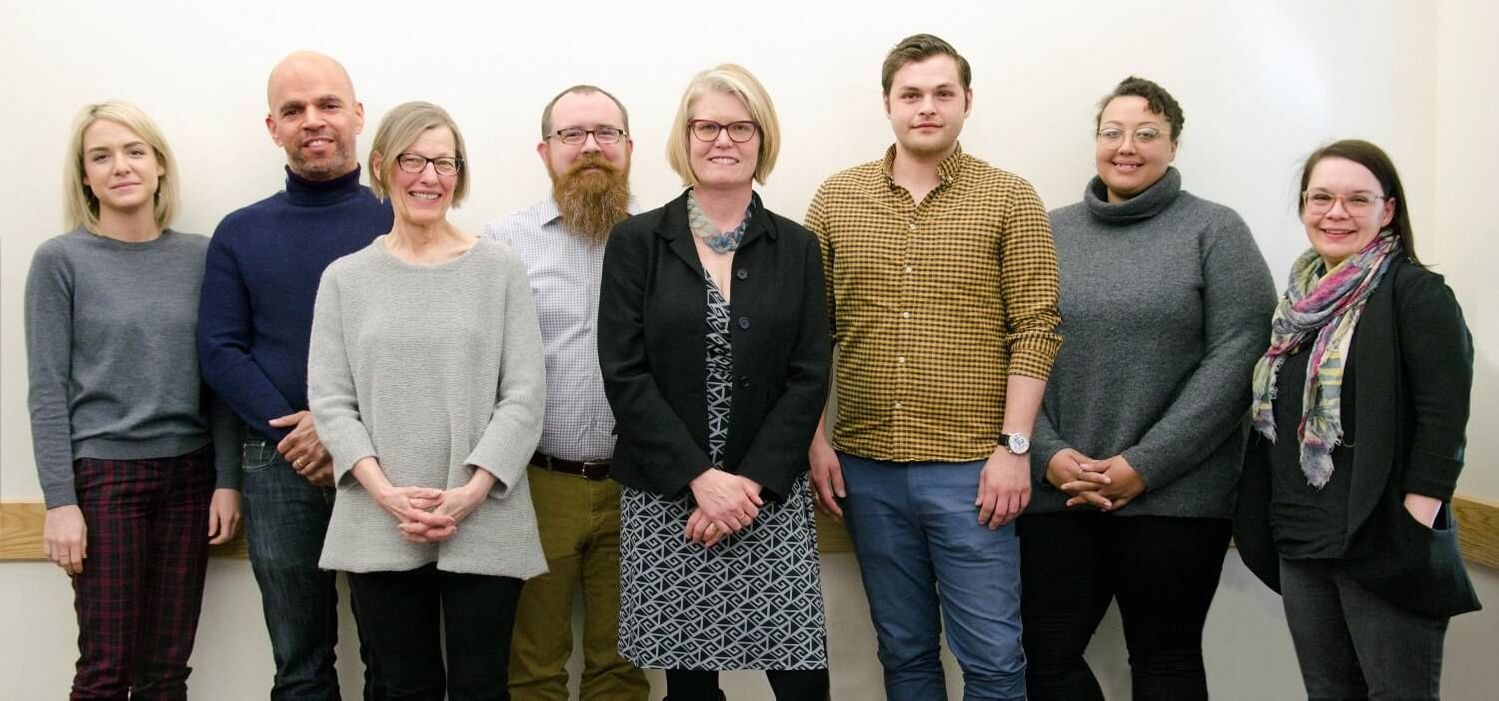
259, 286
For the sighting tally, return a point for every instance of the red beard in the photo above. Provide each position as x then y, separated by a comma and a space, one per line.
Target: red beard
592, 196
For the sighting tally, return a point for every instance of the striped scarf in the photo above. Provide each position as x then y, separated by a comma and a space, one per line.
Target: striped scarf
1327, 307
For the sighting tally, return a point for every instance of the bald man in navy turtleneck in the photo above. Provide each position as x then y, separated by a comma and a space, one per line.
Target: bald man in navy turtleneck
264, 265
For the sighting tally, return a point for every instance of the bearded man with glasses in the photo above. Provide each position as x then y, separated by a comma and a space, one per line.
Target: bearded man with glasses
585, 146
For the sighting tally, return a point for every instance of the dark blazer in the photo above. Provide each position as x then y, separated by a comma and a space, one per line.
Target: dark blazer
1414, 375
653, 353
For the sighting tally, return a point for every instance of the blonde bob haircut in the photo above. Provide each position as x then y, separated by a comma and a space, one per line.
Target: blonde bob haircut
399, 129
80, 206
734, 80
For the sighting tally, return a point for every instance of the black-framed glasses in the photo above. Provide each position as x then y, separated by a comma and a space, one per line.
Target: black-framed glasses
572, 136
707, 130
415, 163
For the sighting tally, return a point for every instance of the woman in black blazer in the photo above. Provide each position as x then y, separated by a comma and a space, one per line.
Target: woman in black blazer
714, 347
1346, 508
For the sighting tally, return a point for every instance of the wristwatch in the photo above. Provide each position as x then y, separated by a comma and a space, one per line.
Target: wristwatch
1017, 443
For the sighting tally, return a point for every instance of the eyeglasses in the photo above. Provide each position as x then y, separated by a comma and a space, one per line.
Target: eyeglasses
1113, 136
572, 136
707, 130
445, 165
1356, 204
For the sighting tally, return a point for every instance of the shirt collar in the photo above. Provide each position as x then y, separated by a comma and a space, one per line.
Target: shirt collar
948, 169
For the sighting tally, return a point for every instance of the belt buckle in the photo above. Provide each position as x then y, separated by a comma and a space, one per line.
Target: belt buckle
595, 470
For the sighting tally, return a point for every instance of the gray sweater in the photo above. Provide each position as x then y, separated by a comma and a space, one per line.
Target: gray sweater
1166, 305
112, 357
435, 370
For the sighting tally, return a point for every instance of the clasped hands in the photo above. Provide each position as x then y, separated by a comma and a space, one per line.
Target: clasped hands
424, 514
1106, 485
726, 503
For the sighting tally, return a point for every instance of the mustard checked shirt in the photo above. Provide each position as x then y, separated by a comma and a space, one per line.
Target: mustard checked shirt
932, 305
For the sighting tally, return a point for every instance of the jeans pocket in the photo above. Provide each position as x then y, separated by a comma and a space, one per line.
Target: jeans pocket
256, 455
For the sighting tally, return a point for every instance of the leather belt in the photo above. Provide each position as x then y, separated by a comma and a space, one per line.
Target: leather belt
594, 470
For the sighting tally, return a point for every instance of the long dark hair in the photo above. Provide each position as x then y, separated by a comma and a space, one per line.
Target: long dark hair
1378, 162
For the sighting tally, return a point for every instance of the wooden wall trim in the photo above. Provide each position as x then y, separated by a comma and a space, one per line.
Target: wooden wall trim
21, 532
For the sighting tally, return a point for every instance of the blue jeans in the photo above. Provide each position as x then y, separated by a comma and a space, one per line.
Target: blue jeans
921, 549
286, 519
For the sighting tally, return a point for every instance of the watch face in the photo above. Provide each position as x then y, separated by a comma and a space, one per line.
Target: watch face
1019, 444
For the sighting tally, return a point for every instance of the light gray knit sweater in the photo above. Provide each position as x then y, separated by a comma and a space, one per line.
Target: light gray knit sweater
1165, 305
435, 370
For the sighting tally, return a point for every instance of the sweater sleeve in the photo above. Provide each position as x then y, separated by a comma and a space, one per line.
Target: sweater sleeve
1237, 299
1436, 352
330, 383
514, 428
1045, 443
777, 455
49, 351
225, 331
641, 412
223, 427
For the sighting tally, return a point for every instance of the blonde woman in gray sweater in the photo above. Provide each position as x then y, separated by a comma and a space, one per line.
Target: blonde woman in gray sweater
427, 383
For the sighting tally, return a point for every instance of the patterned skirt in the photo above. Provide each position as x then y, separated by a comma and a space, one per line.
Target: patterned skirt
752, 601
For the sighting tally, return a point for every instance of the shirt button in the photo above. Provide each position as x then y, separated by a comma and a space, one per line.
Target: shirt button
913, 227
744, 381
742, 274
901, 359
897, 405
905, 315
744, 322
908, 268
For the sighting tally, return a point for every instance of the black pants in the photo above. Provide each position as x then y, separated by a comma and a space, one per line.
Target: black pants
405, 615
1163, 571
1353, 644
788, 685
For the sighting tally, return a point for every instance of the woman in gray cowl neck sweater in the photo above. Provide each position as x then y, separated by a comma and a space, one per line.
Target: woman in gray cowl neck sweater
1165, 301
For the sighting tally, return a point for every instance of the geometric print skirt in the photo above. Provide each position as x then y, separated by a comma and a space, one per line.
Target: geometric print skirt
752, 601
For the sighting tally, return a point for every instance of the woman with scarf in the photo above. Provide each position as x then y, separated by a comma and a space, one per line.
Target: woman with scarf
1360, 407
1165, 297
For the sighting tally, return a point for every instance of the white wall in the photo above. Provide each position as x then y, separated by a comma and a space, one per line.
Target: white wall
1262, 84
1463, 236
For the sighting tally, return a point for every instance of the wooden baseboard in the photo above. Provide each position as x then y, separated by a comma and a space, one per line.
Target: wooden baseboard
21, 532
1478, 528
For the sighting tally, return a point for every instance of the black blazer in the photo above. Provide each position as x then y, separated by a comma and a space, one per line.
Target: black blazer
1414, 376
653, 354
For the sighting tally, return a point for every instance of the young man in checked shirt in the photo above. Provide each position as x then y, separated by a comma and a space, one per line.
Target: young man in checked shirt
586, 147
942, 292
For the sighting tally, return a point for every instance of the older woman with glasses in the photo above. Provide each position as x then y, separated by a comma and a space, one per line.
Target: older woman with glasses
138, 478
713, 340
1137, 449
426, 381
1360, 416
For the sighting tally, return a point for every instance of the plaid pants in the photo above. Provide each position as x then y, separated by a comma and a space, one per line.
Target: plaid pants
141, 588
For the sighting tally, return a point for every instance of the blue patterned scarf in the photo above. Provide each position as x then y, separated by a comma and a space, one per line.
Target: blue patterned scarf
703, 228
